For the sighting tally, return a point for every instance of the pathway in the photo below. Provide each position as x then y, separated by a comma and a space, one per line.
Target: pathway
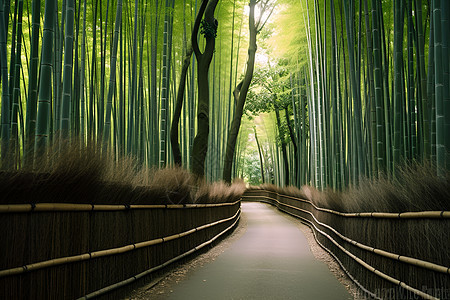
272, 260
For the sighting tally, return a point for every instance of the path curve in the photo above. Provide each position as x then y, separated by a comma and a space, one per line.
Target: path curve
271, 260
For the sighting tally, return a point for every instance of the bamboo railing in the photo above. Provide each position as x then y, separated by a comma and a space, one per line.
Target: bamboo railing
350, 252
22, 208
154, 269
64, 250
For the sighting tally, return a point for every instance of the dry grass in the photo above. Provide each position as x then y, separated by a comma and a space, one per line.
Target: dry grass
295, 192
415, 188
219, 191
170, 185
271, 188
75, 174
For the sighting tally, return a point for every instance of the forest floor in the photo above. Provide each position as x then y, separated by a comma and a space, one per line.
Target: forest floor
266, 257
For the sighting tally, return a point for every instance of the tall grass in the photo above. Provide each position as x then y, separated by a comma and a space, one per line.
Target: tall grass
75, 174
416, 187
288, 190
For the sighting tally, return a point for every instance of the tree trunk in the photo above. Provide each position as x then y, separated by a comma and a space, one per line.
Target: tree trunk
200, 146
294, 143
283, 147
236, 123
178, 106
180, 96
260, 155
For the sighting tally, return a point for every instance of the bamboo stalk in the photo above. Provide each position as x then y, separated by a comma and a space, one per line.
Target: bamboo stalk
67, 71
45, 86
108, 252
439, 87
112, 80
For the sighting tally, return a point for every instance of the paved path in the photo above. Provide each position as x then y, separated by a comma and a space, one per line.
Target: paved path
271, 260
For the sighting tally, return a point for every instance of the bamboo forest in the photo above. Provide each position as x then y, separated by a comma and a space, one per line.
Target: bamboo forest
287, 92
224, 149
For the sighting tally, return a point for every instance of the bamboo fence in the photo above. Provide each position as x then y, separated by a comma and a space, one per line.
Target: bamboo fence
68, 251
386, 254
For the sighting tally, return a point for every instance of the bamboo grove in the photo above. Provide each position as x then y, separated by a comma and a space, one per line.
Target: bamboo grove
361, 89
107, 73
344, 89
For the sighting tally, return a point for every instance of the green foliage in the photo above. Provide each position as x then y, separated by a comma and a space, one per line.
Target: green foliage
269, 88
288, 37
251, 167
208, 30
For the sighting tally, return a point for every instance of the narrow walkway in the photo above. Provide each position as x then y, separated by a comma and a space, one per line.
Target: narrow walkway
271, 260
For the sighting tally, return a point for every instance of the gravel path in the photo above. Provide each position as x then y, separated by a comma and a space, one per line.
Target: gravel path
270, 255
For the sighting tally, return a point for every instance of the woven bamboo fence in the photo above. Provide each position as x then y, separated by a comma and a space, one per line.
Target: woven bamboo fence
70, 251
388, 255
